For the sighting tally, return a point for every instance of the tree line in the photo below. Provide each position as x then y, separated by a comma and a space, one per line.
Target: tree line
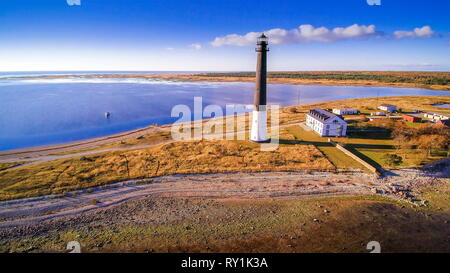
426, 78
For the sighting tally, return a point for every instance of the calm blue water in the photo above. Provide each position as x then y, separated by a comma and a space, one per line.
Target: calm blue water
442, 105
42, 112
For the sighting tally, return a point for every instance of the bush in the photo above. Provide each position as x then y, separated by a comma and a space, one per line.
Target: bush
392, 159
94, 202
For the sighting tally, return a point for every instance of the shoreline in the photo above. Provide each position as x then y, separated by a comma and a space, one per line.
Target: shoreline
209, 77
80, 144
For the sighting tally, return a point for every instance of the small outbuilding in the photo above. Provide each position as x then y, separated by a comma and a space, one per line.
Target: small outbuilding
388, 107
383, 114
412, 119
436, 116
345, 111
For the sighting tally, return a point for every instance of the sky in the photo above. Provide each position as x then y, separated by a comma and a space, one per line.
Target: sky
219, 35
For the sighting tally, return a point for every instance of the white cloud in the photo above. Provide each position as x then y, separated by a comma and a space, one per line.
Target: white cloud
423, 32
170, 48
302, 34
196, 46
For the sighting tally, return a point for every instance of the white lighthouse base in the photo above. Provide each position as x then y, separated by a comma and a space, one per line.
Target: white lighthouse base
259, 127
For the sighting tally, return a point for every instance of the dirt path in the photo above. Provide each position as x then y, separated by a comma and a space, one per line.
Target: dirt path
400, 185
45, 158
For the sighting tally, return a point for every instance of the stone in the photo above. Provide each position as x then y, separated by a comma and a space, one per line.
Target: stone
31, 248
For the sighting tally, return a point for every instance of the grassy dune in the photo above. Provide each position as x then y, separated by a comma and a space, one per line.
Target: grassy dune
174, 158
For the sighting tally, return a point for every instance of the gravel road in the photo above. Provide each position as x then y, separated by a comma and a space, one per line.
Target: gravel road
398, 184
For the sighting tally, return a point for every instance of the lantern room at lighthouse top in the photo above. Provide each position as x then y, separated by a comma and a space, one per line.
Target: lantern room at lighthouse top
262, 40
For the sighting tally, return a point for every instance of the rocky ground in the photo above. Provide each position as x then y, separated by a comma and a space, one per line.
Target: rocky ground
230, 212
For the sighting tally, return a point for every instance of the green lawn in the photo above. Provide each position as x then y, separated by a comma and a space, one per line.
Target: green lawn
411, 157
339, 159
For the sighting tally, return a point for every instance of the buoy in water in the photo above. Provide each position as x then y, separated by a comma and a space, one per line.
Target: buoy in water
107, 114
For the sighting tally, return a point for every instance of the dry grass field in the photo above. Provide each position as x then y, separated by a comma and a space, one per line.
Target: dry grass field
7, 165
173, 158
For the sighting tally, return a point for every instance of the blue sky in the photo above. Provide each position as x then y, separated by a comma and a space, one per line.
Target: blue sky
195, 35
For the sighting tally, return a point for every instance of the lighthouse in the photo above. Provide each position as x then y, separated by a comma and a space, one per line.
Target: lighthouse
259, 115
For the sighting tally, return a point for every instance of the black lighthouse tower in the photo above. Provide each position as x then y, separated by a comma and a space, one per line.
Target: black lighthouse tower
259, 115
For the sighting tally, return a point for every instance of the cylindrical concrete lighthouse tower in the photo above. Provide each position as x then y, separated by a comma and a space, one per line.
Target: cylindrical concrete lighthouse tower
259, 115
